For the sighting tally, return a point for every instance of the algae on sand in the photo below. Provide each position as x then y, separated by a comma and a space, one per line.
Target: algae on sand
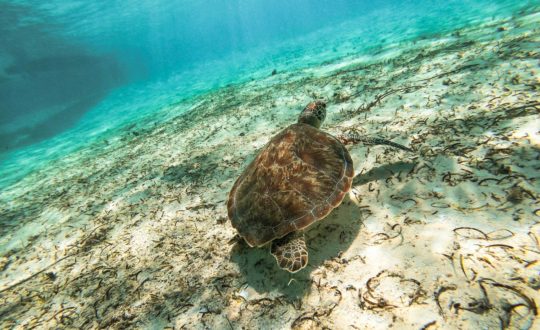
449, 238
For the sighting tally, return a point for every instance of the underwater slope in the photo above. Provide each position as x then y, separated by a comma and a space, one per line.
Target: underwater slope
132, 231
144, 56
48, 81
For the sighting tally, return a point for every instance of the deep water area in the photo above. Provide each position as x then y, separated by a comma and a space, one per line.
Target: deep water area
125, 124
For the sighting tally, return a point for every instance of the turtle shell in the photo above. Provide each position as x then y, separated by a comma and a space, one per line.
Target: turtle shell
296, 179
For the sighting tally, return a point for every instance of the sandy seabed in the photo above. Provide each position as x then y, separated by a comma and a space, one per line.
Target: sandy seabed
132, 230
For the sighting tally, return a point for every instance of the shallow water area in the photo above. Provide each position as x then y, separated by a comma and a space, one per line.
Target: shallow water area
129, 229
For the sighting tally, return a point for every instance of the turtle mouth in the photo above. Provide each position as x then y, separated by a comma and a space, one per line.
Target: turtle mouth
316, 105
321, 103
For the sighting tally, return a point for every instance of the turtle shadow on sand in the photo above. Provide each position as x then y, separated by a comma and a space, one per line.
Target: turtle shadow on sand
382, 172
326, 239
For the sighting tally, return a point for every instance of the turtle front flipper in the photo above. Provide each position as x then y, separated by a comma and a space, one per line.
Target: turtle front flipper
290, 252
354, 137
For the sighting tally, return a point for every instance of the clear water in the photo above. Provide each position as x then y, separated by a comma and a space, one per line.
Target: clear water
73, 70
125, 124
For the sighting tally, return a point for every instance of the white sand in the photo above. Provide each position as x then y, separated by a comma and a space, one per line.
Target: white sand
133, 231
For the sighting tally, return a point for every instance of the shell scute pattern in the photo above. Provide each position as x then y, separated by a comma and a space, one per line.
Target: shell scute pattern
297, 179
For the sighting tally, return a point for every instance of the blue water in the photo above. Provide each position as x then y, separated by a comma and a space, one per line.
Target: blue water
113, 209
72, 72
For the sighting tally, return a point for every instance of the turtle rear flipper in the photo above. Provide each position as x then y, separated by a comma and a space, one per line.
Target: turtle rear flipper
290, 252
354, 137
373, 141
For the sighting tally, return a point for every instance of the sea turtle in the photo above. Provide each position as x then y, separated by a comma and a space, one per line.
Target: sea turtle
296, 179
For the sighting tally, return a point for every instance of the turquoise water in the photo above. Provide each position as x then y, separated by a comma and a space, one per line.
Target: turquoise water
124, 126
74, 70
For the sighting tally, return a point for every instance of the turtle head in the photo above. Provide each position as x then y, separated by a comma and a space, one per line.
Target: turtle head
313, 114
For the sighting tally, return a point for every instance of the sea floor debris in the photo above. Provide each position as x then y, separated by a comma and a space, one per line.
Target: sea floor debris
132, 230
